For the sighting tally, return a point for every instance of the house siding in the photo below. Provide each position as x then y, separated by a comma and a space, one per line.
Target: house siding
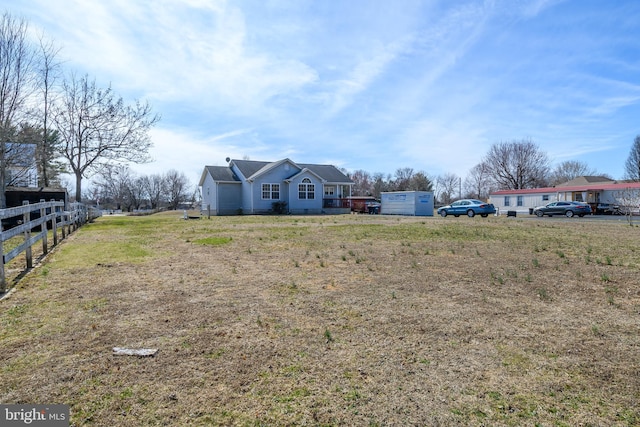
623, 194
229, 199
274, 176
528, 201
209, 199
306, 206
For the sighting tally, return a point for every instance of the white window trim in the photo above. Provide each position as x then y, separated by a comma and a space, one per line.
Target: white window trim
307, 188
270, 191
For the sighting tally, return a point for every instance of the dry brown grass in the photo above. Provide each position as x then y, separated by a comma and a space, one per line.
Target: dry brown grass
350, 320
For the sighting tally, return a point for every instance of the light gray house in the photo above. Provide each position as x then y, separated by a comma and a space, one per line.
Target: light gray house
255, 187
595, 190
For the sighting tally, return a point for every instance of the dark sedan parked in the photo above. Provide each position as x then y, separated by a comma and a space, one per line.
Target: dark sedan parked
567, 209
469, 207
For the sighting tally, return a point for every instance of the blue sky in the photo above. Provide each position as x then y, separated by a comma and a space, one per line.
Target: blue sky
374, 85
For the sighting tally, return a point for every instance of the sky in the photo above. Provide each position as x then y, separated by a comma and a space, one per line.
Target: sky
372, 85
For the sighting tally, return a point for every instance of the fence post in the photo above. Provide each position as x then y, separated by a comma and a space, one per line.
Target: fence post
54, 223
26, 219
44, 229
3, 286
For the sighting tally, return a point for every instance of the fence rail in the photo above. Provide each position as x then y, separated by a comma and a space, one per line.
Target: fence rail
33, 222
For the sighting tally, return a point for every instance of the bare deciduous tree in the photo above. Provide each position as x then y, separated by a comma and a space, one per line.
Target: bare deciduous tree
16, 84
176, 187
629, 200
478, 183
568, 170
97, 128
48, 70
517, 164
448, 187
380, 184
403, 179
114, 182
632, 165
363, 184
153, 186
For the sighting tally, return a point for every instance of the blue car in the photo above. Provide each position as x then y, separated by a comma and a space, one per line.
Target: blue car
468, 207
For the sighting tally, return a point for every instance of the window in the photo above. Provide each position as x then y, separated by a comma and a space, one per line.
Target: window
545, 197
507, 200
270, 191
306, 190
520, 201
329, 190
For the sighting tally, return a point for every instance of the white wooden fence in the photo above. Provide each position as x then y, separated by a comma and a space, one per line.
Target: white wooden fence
52, 217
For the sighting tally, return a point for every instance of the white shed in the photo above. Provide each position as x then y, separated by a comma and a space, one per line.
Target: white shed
415, 203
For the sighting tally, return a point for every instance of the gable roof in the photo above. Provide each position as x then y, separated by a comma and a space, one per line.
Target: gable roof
220, 174
585, 180
248, 167
305, 171
329, 173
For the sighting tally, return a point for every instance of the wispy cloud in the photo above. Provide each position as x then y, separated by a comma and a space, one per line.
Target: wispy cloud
371, 85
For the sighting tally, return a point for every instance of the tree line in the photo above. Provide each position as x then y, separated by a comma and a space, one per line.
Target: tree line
118, 187
66, 122
509, 165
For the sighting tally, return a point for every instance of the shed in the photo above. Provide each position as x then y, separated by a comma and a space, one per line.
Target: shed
415, 203
17, 195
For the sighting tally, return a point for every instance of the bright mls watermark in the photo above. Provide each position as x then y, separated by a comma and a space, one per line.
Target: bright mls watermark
34, 415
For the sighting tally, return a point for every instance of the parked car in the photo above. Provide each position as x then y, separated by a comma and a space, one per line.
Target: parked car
608, 209
469, 207
373, 207
567, 209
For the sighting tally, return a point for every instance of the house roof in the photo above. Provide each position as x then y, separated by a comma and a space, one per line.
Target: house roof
220, 174
586, 180
305, 171
329, 173
37, 189
249, 167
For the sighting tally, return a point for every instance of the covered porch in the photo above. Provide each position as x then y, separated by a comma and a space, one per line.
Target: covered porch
336, 199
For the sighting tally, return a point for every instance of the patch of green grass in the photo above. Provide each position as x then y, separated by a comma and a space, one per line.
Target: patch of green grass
213, 241
104, 253
215, 354
595, 330
328, 336
543, 294
14, 315
95, 304
295, 394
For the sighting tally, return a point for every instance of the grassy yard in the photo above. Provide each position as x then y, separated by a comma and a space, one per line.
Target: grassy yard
346, 320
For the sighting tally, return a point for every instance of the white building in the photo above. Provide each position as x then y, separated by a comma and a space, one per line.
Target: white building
593, 190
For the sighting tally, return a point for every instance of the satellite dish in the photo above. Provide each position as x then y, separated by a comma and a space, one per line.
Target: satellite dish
228, 159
